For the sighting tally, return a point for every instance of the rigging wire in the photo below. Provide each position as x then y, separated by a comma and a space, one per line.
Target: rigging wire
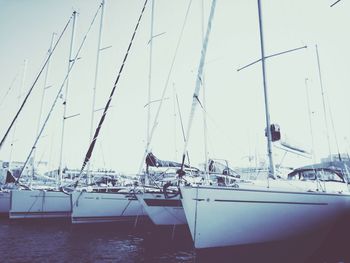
58, 94
336, 2
180, 116
182, 127
333, 127
9, 88
323, 102
35, 81
25, 62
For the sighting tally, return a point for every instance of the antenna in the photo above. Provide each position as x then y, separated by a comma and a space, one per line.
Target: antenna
267, 112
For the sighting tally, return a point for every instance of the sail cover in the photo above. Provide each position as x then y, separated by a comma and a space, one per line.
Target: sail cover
10, 178
152, 160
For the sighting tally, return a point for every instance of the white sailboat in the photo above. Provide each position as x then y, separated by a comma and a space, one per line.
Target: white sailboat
43, 202
161, 210
249, 214
106, 204
39, 204
262, 211
161, 197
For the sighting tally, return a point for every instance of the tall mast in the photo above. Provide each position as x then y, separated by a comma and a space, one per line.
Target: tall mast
96, 77
205, 128
324, 104
66, 96
150, 73
148, 135
43, 92
267, 112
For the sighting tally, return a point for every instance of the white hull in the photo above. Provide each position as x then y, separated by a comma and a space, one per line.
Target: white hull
39, 204
94, 207
161, 210
220, 216
4, 202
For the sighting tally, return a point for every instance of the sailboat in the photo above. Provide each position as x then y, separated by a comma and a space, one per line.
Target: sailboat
161, 197
260, 211
106, 204
12, 190
43, 202
53, 202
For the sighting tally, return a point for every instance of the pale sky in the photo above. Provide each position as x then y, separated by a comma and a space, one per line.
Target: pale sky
234, 100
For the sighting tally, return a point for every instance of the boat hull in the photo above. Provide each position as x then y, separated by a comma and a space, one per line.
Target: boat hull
161, 210
39, 204
221, 217
4, 203
97, 207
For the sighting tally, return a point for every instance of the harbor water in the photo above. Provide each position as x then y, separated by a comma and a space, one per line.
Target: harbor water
60, 241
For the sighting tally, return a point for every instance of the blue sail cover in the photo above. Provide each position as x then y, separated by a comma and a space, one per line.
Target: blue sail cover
152, 160
10, 178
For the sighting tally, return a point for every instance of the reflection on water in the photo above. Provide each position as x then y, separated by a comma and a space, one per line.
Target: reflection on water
59, 241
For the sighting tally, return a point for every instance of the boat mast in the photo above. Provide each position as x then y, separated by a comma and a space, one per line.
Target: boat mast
195, 99
95, 81
150, 73
324, 104
205, 128
43, 93
267, 112
65, 96
150, 85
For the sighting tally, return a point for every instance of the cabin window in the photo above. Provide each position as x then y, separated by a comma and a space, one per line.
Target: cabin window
328, 176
